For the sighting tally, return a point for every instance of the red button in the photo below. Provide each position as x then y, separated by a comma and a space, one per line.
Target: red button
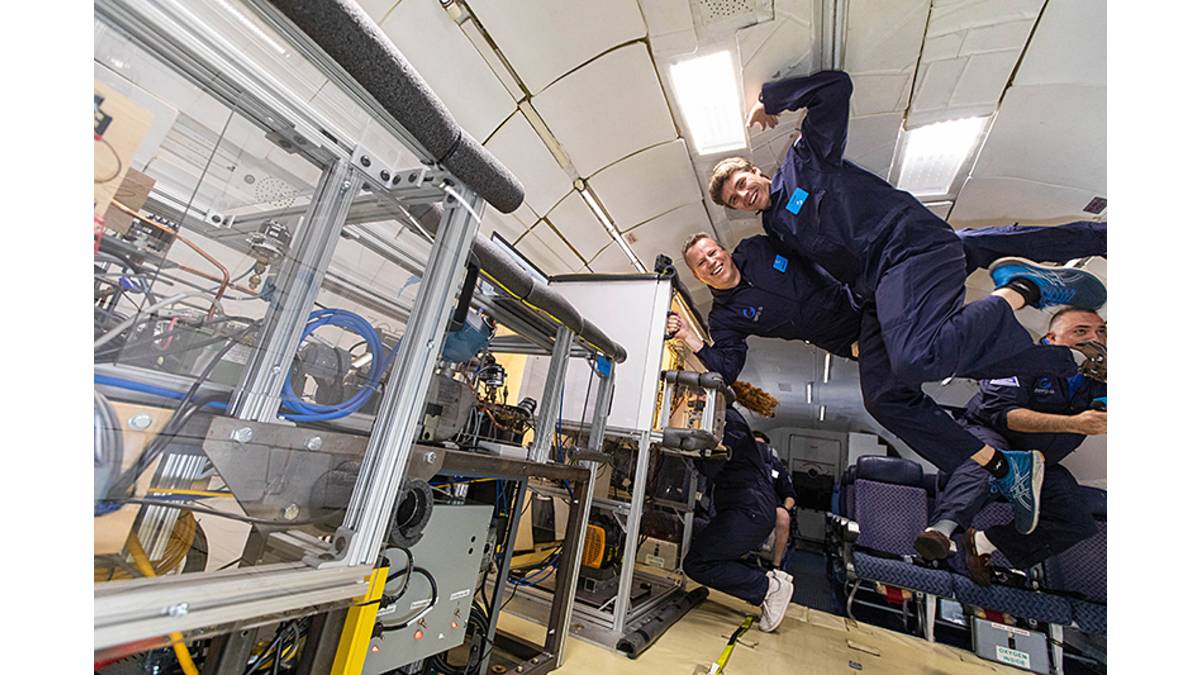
419, 634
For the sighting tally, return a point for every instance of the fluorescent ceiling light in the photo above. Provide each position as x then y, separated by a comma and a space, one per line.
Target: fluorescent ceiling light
828, 367
821, 415
707, 91
602, 216
808, 392
934, 154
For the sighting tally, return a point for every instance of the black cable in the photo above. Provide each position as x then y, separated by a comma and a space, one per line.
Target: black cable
433, 592
178, 420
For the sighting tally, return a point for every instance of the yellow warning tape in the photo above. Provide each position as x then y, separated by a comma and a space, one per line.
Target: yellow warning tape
718, 666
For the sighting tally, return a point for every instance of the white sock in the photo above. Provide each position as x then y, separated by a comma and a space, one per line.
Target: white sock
982, 545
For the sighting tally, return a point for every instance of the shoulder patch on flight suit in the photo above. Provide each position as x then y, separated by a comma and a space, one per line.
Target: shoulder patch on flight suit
1005, 382
797, 200
781, 263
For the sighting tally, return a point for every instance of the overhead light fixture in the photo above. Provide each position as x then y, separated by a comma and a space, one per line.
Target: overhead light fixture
934, 154
602, 216
808, 392
821, 414
828, 367
706, 89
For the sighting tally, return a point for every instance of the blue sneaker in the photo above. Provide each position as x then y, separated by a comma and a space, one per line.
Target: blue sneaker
1022, 487
1058, 285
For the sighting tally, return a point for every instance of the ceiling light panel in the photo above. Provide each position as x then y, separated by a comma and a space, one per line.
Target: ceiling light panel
934, 154
519, 148
437, 48
706, 90
579, 225
596, 127
647, 184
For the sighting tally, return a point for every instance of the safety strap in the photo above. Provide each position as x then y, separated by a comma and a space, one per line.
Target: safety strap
718, 666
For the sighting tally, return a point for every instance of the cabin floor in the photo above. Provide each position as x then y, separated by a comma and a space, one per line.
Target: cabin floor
808, 641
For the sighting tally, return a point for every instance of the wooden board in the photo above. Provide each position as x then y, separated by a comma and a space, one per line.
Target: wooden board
124, 124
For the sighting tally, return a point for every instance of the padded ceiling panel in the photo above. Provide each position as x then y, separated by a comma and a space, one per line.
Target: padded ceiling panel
1070, 46
1053, 134
997, 201
608, 109
883, 40
377, 9
647, 184
448, 62
666, 233
544, 39
871, 142
612, 260
520, 149
579, 225
508, 225
548, 251
772, 50
971, 49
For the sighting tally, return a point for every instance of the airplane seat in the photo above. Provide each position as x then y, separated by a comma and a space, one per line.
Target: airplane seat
1022, 602
890, 506
1081, 572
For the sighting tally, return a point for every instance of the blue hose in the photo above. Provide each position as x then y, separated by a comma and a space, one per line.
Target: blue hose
301, 410
306, 411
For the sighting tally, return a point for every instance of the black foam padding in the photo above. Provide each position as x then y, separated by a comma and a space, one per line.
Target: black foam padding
505, 271
356, 43
895, 470
636, 641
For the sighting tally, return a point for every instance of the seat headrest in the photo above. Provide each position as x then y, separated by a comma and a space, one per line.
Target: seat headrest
895, 470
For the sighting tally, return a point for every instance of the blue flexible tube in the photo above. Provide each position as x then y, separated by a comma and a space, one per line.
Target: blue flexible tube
301, 410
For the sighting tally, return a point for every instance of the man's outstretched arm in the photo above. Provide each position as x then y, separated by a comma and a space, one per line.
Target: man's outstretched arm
827, 97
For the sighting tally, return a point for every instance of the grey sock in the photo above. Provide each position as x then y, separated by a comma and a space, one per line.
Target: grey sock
946, 527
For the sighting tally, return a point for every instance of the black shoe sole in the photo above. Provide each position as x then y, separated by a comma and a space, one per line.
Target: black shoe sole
932, 545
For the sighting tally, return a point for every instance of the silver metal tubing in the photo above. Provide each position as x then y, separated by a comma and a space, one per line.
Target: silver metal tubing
632, 529
552, 396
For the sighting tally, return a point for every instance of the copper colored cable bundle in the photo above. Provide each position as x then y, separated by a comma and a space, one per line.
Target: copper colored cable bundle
754, 399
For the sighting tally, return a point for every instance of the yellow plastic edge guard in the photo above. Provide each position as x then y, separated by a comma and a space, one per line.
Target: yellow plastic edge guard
356, 633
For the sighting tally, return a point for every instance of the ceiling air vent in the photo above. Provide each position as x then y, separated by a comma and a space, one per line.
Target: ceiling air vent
1097, 205
717, 18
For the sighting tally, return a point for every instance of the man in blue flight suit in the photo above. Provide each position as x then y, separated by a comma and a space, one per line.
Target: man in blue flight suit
1052, 413
907, 265
764, 289
785, 501
745, 503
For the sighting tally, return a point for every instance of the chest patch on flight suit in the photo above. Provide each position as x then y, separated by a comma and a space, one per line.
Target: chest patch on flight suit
780, 263
752, 313
797, 200
1044, 386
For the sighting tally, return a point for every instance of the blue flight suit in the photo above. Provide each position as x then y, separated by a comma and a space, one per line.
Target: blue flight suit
907, 263
744, 497
782, 295
781, 479
1063, 522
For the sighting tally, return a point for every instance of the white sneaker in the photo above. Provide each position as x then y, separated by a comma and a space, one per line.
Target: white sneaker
783, 575
774, 606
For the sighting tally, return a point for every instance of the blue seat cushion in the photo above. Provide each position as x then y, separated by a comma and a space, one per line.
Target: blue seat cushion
1092, 617
903, 574
1016, 601
895, 470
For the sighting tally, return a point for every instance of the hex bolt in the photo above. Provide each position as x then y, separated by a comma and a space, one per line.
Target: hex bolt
243, 435
430, 457
180, 609
291, 511
345, 185
314, 443
140, 422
